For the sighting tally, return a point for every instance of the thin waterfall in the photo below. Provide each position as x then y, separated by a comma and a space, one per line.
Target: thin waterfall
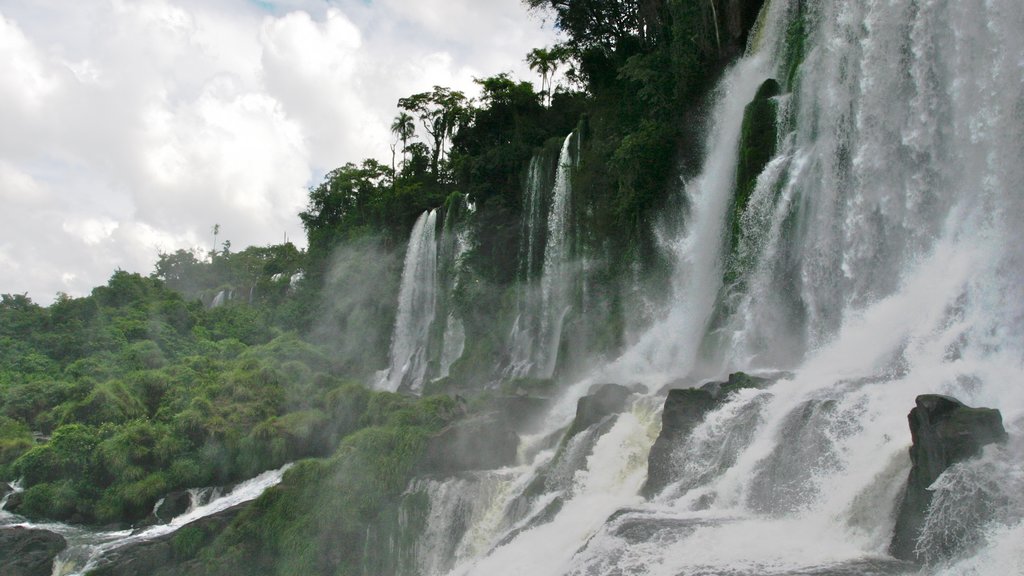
555, 283
417, 303
543, 304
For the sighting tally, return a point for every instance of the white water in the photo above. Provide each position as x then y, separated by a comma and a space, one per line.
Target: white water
86, 547
537, 331
887, 263
417, 303
556, 281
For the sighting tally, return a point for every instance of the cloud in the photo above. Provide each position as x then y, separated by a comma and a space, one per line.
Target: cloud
132, 127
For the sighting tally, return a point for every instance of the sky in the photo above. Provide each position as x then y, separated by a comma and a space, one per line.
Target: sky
131, 127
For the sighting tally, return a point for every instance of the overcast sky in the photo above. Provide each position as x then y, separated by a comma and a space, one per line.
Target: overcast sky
130, 127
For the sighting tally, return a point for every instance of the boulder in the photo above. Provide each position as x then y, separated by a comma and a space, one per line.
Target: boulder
602, 401
685, 408
943, 432
28, 552
5, 490
482, 442
169, 507
173, 505
14, 501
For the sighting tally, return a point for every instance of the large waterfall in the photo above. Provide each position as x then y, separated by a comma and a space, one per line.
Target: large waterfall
878, 258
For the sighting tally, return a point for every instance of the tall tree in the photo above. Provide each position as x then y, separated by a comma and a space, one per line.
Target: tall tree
404, 129
442, 112
545, 62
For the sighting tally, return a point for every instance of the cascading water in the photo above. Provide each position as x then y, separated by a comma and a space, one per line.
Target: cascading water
555, 283
882, 261
537, 332
417, 303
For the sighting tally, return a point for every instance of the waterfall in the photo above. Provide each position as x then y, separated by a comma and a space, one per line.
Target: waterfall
878, 258
417, 303
537, 331
455, 243
555, 283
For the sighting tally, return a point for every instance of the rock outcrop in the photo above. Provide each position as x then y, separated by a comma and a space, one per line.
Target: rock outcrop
28, 552
603, 400
685, 408
944, 431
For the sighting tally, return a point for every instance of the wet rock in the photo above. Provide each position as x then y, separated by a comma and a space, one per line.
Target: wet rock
943, 431
684, 410
28, 552
482, 442
173, 505
14, 501
602, 401
5, 490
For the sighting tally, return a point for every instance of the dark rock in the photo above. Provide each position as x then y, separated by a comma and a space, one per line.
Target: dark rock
14, 501
943, 431
684, 410
483, 442
28, 552
740, 17
164, 552
5, 490
173, 505
603, 400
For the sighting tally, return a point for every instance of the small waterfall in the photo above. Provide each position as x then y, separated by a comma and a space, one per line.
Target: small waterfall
417, 304
87, 548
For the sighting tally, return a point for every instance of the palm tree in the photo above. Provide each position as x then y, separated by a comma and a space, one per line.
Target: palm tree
545, 61
403, 128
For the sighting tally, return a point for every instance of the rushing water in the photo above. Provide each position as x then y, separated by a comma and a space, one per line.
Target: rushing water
884, 261
537, 331
87, 547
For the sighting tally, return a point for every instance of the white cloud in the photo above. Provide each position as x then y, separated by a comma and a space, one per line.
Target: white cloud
131, 127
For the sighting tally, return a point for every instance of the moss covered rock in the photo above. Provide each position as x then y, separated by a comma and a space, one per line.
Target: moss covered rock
758, 138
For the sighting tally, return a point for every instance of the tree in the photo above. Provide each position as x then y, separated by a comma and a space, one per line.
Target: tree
442, 112
348, 200
213, 251
403, 128
545, 61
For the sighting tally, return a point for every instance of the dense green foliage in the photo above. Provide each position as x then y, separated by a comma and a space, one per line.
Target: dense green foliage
136, 392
